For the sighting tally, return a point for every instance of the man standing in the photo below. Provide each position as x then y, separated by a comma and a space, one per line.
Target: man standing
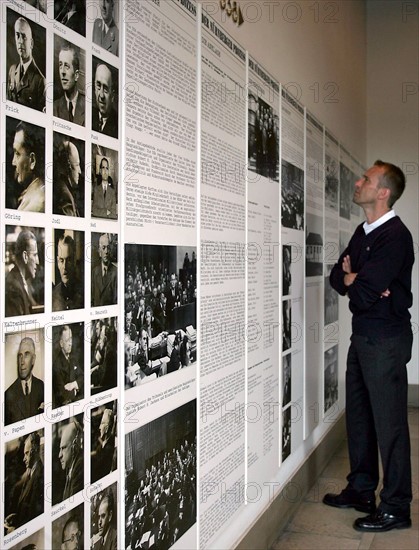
71, 458
70, 106
104, 276
104, 115
26, 83
67, 376
105, 31
28, 162
375, 272
25, 397
68, 293
106, 538
104, 196
19, 298
66, 179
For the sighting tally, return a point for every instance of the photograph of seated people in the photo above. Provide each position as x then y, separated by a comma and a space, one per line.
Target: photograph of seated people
104, 183
67, 364
104, 359
68, 530
72, 14
160, 480
68, 176
104, 452
160, 311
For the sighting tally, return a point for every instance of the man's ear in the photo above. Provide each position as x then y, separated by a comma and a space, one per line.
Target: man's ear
32, 160
76, 75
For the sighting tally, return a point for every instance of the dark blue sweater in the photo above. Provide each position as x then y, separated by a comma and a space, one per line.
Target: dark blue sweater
383, 259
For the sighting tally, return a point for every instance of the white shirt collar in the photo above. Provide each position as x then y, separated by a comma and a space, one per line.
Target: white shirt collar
368, 227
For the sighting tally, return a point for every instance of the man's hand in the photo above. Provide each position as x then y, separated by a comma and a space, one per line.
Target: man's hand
349, 276
385, 294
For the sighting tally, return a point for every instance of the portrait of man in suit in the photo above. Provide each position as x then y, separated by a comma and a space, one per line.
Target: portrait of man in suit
105, 105
69, 96
68, 292
68, 176
25, 396
104, 273
71, 458
105, 31
26, 82
67, 365
105, 538
104, 194
67, 532
72, 14
103, 455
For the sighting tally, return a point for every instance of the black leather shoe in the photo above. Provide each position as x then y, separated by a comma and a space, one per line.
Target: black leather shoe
381, 521
349, 498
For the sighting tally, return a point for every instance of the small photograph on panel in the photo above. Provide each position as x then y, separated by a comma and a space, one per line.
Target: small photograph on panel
292, 192
24, 375
286, 433
72, 14
104, 440
331, 300
103, 518
160, 311
332, 183
103, 355
286, 325
67, 458
314, 245
68, 176
346, 191
286, 379
68, 270
330, 377
69, 81
104, 182
24, 270
104, 260
23, 480
286, 269
68, 530
105, 100
25, 166
160, 474
41, 5
35, 542
26, 60
263, 145
67, 364
105, 29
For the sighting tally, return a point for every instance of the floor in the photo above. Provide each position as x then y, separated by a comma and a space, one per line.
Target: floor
316, 526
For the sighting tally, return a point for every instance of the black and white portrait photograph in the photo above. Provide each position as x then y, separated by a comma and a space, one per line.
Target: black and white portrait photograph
286, 379
69, 81
41, 5
330, 377
24, 267
105, 98
24, 375
103, 520
160, 480
286, 433
72, 14
160, 311
331, 300
26, 52
103, 354
68, 270
68, 530
105, 26
67, 364
292, 193
104, 182
331, 191
23, 480
286, 325
68, 176
263, 140
104, 439
67, 458
36, 541
286, 269
25, 166
104, 262
346, 191
314, 245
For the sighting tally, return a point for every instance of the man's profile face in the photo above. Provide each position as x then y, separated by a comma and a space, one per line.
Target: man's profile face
31, 259
65, 454
105, 517
25, 359
367, 187
104, 170
65, 262
24, 41
74, 165
104, 90
28, 453
71, 536
23, 160
66, 341
68, 75
104, 249
106, 10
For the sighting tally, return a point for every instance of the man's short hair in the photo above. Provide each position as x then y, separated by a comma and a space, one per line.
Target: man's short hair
62, 162
393, 179
35, 442
23, 242
108, 496
72, 519
67, 47
69, 241
107, 162
32, 144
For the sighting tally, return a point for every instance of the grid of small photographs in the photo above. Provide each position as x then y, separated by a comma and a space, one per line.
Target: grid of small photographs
60, 210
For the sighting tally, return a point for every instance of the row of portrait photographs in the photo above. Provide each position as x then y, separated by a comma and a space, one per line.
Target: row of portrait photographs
26, 83
25, 491
26, 254
27, 174
160, 311
68, 531
160, 480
